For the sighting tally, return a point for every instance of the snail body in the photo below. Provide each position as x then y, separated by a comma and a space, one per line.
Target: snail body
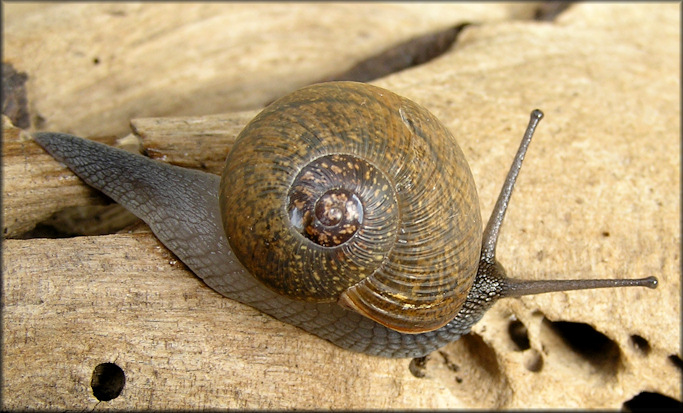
343, 209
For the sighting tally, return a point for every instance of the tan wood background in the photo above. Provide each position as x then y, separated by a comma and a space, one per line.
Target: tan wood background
599, 196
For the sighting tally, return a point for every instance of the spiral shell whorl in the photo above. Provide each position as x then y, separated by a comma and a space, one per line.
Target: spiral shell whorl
314, 161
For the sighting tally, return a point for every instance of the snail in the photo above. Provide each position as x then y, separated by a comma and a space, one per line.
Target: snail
343, 209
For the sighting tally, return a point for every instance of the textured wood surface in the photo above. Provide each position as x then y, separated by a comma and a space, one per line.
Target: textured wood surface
117, 61
24, 202
599, 196
179, 343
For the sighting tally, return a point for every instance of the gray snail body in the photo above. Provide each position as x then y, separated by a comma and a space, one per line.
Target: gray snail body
350, 212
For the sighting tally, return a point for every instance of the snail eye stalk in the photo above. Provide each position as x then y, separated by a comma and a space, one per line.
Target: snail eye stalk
510, 287
492, 230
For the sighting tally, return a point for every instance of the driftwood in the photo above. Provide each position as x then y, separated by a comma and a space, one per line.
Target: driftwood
599, 196
106, 62
24, 203
179, 343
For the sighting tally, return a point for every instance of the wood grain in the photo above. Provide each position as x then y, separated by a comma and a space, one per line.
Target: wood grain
34, 185
599, 196
200, 142
125, 299
93, 67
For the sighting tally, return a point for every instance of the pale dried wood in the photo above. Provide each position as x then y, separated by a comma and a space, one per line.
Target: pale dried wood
34, 185
125, 299
200, 142
599, 196
93, 67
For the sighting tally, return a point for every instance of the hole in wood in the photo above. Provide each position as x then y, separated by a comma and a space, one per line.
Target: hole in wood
533, 361
418, 366
519, 335
107, 381
593, 346
676, 361
647, 402
640, 344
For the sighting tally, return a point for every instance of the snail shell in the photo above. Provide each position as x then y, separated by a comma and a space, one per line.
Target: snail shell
350, 193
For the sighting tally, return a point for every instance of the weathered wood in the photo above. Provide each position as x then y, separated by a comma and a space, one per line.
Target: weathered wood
599, 196
93, 67
124, 299
34, 185
200, 142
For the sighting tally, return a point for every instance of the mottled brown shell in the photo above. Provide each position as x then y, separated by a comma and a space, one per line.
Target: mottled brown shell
346, 192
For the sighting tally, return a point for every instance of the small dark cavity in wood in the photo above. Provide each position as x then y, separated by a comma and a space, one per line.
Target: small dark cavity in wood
549, 10
413, 52
42, 230
14, 101
519, 335
676, 361
418, 366
649, 401
107, 381
640, 344
533, 361
84, 220
599, 350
